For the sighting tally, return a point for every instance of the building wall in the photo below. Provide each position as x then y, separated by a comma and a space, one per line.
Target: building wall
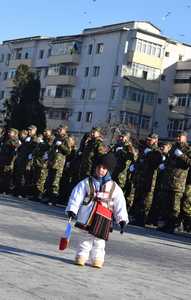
119, 53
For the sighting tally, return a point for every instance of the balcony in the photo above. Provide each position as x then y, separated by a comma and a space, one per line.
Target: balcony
14, 63
64, 58
61, 80
65, 102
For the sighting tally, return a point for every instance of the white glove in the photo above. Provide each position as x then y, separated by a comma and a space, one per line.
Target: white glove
131, 168
161, 167
118, 148
40, 140
58, 143
178, 152
147, 150
30, 156
45, 156
28, 139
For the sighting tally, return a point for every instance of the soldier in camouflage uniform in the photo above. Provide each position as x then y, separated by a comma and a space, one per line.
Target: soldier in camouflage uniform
23, 164
93, 147
40, 163
175, 175
146, 167
69, 179
8, 154
158, 207
186, 204
57, 156
125, 155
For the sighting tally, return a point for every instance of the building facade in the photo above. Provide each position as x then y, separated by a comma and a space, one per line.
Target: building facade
117, 74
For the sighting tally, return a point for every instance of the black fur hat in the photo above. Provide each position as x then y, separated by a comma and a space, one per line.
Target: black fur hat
107, 160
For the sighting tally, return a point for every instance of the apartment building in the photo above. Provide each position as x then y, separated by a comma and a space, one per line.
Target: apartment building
116, 74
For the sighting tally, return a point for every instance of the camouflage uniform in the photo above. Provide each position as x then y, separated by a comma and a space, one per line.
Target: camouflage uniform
7, 158
40, 165
23, 166
57, 155
93, 148
145, 179
125, 156
68, 180
175, 175
186, 204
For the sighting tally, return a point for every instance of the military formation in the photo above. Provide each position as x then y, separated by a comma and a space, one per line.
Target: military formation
155, 176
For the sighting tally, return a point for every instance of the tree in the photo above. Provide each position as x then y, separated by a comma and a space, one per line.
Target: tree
23, 108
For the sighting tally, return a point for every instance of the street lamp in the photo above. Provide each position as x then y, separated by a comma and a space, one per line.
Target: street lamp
141, 104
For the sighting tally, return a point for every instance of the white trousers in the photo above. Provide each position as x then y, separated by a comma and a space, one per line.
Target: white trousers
91, 247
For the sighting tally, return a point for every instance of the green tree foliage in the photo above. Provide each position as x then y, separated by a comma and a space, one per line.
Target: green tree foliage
23, 107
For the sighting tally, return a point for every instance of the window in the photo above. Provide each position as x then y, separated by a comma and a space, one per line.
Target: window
90, 49
180, 57
86, 72
139, 70
26, 55
167, 54
45, 72
89, 116
63, 91
83, 93
5, 75
113, 93
175, 126
96, 71
184, 100
117, 70
11, 73
49, 52
2, 93
2, 57
42, 92
65, 115
132, 120
145, 73
51, 91
148, 48
41, 54
126, 46
79, 116
99, 48
38, 73
159, 101
134, 94
163, 77
8, 59
18, 53
92, 94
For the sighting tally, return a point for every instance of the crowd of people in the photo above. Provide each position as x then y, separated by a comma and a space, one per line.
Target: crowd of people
154, 176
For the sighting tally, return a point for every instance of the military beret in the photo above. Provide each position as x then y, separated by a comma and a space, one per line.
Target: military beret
96, 129
152, 136
31, 127
182, 133
13, 130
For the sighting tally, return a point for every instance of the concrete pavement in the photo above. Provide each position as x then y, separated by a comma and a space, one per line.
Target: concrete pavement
141, 264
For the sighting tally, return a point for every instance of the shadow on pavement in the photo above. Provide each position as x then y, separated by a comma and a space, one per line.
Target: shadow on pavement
28, 205
20, 252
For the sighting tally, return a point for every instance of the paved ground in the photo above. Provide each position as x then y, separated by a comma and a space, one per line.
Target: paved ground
141, 264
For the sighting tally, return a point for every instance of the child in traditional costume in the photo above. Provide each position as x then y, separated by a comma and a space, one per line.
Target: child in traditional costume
95, 201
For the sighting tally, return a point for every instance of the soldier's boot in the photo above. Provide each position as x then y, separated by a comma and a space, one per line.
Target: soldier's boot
53, 198
187, 223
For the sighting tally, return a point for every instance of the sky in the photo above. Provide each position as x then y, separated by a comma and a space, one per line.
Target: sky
51, 18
